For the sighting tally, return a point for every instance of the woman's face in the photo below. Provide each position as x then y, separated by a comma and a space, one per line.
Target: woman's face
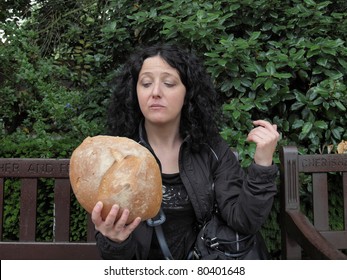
160, 92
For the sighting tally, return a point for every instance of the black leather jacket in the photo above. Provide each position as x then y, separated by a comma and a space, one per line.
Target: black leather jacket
244, 197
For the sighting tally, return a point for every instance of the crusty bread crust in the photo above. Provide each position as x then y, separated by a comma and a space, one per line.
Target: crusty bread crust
116, 170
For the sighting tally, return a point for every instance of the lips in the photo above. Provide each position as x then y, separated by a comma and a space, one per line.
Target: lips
156, 106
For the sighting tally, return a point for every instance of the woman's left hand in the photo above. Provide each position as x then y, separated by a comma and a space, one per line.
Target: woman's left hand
265, 136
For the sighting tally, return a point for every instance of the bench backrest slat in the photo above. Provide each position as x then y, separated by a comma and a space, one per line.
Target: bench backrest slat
344, 184
320, 201
28, 202
1, 203
62, 209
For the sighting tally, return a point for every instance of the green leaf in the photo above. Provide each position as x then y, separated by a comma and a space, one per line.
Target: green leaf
236, 114
297, 124
298, 55
246, 107
321, 91
222, 62
268, 84
246, 82
270, 68
326, 105
310, 2
260, 106
318, 101
236, 82
258, 82
329, 51
342, 62
322, 62
282, 75
336, 133
321, 124
312, 94
241, 44
233, 7
306, 128
300, 97
297, 105
263, 74
212, 54
254, 36
226, 86
335, 75
340, 105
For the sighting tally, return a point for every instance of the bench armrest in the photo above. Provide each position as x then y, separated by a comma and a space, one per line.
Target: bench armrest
300, 229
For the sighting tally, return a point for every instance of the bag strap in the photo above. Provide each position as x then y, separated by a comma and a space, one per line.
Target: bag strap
156, 222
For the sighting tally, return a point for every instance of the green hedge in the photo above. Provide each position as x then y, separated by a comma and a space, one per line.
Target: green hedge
285, 61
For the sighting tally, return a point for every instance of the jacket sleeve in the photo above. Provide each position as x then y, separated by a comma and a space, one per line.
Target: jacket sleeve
244, 197
110, 250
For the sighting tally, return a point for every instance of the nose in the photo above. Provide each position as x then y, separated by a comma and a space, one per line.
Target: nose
156, 90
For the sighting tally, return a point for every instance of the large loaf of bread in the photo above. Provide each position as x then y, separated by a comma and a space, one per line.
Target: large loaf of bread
116, 170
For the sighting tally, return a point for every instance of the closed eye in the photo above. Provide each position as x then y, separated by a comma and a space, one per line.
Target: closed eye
169, 85
146, 85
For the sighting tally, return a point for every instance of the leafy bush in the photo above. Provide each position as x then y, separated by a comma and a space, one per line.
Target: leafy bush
284, 61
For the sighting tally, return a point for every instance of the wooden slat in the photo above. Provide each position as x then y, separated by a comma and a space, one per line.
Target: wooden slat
344, 184
338, 238
90, 229
2, 186
320, 201
62, 209
28, 202
48, 251
34, 168
322, 163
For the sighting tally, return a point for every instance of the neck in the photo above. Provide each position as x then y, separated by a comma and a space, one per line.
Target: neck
165, 141
167, 135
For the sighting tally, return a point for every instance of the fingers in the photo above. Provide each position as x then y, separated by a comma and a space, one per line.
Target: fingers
263, 133
96, 213
266, 125
112, 216
113, 227
130, 228
265, 136
124, 229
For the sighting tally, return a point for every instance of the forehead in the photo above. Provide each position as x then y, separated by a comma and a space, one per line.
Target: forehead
156, 64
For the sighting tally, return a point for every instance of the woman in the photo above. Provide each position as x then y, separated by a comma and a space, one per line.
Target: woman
166, 101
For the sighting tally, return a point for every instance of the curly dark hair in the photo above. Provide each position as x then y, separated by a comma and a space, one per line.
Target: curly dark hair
200, 109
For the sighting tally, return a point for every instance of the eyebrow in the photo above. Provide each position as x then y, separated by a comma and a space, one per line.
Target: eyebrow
163, 73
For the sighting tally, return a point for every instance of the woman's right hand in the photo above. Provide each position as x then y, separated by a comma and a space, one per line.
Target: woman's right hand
114, 229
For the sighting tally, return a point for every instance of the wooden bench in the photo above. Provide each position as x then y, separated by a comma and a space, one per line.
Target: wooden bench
300, 237
29, 172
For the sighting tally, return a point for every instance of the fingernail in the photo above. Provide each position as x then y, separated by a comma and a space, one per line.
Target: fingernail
115, 206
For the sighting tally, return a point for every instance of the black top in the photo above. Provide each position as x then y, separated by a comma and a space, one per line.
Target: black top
180, 219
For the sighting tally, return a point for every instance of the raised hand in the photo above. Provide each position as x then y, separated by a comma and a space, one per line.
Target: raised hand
265, 136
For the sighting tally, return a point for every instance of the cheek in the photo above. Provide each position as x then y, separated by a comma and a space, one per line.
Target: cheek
180, 100
140, 94
141, 105
141, 101
180, 104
